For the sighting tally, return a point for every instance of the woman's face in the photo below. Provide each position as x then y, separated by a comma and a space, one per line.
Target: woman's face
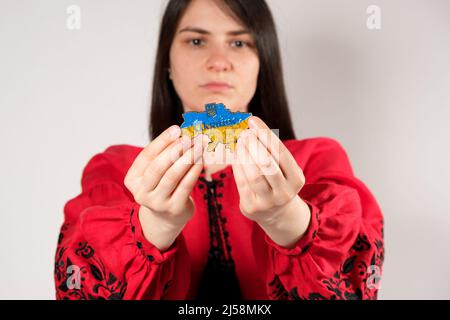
211, 47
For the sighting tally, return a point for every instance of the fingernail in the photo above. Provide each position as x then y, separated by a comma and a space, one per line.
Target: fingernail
175, 132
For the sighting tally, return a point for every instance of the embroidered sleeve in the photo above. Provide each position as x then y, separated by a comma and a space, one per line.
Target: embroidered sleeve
101, 251
341, 254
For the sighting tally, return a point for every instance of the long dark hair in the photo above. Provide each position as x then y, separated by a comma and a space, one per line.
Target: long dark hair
269, 102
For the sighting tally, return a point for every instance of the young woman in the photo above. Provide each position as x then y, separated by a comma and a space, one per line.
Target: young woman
149, 224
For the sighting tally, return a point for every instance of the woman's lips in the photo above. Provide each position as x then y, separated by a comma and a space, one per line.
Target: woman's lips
216, 86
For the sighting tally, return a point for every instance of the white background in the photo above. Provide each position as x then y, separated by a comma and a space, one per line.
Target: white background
385, 95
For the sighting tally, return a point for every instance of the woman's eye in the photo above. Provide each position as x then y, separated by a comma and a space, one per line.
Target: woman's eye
239, 44
195, 42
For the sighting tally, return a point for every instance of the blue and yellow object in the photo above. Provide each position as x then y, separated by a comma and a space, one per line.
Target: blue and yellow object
218, 123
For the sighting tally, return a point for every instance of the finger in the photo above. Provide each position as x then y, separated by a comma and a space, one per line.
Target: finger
240, 179
280, 153
187, 183
256, 180
158, 167
153, 149
265, 162
178, 169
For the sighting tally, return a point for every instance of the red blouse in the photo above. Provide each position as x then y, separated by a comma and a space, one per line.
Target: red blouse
102, 253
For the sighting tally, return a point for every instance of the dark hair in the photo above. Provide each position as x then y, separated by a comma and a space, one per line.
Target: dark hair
269, 102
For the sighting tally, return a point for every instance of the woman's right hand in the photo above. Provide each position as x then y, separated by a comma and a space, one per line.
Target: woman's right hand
161, 179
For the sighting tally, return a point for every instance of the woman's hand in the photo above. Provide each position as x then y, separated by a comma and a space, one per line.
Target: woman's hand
268, 180
161, 179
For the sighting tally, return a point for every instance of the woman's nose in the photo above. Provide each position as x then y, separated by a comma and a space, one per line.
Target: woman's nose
218, 61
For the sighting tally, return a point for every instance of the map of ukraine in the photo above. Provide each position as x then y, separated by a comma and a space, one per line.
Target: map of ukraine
218, 123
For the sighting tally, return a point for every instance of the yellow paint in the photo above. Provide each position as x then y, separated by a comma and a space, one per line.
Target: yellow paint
227, 135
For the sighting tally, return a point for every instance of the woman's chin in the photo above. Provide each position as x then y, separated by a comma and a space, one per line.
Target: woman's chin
217, 98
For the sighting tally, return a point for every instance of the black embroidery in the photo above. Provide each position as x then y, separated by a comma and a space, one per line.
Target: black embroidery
219, 279
340, 284
361, 243
166, 287
107, 286
61, 234
316, 296
85, 250
348, 265
277, 290
133, 230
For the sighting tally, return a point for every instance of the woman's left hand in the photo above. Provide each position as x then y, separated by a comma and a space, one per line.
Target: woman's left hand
267, 176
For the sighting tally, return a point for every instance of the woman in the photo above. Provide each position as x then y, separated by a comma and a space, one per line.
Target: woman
151, 223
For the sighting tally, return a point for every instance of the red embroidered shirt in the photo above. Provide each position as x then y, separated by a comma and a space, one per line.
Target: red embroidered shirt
102, 253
